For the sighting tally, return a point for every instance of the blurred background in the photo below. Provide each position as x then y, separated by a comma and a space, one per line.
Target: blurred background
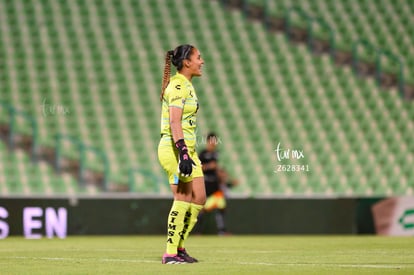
308, 98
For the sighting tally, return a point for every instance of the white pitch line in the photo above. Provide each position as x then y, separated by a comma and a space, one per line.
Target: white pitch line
101, 250
371, 266
84, 259
329, 265
374, 266
130, 261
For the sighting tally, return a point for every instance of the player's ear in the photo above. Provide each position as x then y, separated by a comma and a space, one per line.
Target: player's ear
187, 63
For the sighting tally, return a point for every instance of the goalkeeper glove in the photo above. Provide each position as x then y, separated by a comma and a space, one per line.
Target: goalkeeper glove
185, 165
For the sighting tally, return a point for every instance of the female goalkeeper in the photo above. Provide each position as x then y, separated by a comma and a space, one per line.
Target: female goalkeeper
176, 150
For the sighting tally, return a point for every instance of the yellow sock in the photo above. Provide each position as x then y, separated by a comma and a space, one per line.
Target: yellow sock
189, 222
176, 225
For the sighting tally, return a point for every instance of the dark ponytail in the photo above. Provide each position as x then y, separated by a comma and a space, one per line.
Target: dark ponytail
176, 57
167, 72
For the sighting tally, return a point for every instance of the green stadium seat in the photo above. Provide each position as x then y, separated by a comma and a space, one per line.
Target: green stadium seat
259, 89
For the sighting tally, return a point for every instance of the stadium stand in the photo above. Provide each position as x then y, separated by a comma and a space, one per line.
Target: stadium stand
92, 70
385, 24
21, 176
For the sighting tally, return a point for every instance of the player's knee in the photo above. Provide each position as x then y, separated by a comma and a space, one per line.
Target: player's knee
202, 199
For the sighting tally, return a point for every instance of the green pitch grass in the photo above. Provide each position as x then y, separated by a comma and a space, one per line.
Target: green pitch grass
217, 255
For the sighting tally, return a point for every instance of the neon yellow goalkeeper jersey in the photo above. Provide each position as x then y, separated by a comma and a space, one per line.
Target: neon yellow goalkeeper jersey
180, 93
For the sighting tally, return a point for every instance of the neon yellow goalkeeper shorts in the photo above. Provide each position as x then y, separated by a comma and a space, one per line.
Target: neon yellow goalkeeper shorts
168, 158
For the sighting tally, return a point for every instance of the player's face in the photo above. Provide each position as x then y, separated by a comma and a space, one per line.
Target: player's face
195, 63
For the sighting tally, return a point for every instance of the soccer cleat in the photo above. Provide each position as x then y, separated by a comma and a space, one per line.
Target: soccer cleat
172, 259
182, 253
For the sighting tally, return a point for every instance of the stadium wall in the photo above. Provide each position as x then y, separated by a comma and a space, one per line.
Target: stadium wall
45, 217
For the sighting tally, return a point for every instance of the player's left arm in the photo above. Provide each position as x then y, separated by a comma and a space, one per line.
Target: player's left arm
176, 114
